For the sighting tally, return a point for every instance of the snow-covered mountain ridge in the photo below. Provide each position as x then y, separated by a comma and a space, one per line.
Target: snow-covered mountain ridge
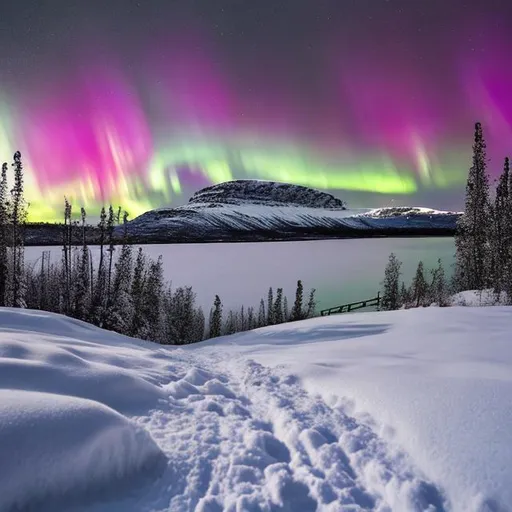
252, 210
269, 193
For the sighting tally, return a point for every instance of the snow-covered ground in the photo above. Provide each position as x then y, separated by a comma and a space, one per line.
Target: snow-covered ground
403, 411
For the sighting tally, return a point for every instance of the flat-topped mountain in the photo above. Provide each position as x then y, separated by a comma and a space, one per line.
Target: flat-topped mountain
269, 193
254, 210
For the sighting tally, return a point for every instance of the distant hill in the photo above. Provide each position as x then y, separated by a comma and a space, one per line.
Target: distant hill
255, 210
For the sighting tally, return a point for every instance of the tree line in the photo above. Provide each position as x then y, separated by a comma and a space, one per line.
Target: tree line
126, 294
483, 242
427, 287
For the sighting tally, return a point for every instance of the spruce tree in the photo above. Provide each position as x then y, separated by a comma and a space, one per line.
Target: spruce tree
297, 313
99, 297
242, 320
419, 287
499, 233
250, 318
278, 307
502, 246
270, 307
405, 296
230, 326
152, 303
3, 235
138, 323
286, 312
262, 317
390, 286
473, 228
438, 290
216, 318
181, 316
199, 325
18, 218
111, 245
120, 314
83, 284
311, 306
66, 258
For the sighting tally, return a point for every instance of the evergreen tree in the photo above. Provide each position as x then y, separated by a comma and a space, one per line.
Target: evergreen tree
500, 235
199, 325
111, 247
311, 307
18, 218
216, 318
278, 307
262, 317
181, 317
297, 313
419, 287
83, 278
405, 296
138, 324
120, 314
438, 288
473, 228
152, 303
286, 312
66, 258
230, 326
251, 321
3, 235
270, 307
98, 301
390, 286
242, 320
508, 236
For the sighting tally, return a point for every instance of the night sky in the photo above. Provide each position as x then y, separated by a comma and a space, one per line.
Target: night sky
141, 103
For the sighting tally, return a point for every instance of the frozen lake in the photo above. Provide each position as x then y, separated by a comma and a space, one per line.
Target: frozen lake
241, 273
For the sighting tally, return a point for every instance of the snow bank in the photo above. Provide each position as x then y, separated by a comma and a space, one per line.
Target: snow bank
61, 441
57, 449
436, 382
55, 354
478, 298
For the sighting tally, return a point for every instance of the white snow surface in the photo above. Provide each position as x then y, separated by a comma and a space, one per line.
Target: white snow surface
398, 211
57, 449
480, 298
402, 411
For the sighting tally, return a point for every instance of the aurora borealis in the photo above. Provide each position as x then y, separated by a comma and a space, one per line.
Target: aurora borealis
142, 103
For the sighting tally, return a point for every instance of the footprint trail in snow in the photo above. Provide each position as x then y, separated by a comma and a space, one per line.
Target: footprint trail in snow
242, 437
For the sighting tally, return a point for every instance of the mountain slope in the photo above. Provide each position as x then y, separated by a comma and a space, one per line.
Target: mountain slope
249, 210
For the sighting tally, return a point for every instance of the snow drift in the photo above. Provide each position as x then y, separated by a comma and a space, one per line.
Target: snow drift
58, 449
61, 441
